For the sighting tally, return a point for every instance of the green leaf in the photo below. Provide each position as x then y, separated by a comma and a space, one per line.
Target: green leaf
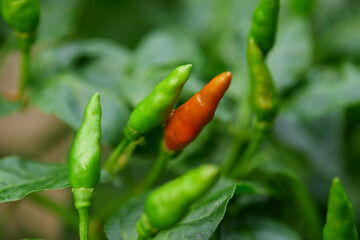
65, 77
258, 229
67, 95
200, 223
286, 62
57, 19
20, 177
342, 39
157, 55
330, 88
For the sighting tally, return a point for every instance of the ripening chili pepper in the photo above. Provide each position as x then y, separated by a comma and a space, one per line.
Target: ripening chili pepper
155, 109
168, 204
263, 95
264, 24
190, 118
340, 219
84, 162
23, 16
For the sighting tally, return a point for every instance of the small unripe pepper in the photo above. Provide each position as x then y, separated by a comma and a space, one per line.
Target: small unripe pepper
23, 16
340, 219
155, 109
190, 118
264, 24
84, 162
263, 94
168, 204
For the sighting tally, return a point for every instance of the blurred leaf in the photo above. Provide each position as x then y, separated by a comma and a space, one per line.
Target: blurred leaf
341, 40
57, 19
158, 54
165, 48
288, 61
66, 96
258, 229
19, 177
7, 108
326, 12
329, 89
200, 223
99, 61
65, 77
320, 141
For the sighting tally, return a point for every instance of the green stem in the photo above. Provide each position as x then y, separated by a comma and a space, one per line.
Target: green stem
84, 223
67, 215
111, 207
24, 76
154, 174
158, 169
244, 116
235, 150
112, 160
241, 168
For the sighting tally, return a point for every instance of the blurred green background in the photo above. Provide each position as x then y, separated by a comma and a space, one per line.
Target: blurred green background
124, 48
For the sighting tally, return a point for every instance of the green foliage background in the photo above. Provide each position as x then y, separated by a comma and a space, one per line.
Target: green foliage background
124, 48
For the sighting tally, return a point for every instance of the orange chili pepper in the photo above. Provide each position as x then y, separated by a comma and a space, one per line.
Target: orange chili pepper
190, 118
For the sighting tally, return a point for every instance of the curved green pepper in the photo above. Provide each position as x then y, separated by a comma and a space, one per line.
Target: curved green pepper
155, 109
84, 162
264, 98
168, 204
21, 15
340, 219
264, 24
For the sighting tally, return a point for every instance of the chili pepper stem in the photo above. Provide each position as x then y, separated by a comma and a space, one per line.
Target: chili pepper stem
83, 223
154, 174
111, 161
159, 167
240, 140
24, 75
83, 198
241, 169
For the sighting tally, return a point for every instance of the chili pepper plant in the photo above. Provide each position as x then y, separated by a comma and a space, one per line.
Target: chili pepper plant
184, 120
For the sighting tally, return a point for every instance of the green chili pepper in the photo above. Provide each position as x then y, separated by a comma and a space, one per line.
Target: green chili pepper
155, 109
264, 24
340, 219
168, 204
21, 15
84, 162
264, 98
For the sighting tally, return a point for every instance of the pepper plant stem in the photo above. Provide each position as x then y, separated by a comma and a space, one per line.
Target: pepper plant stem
154, 174
24, 75
111, 161
241, 169
83, 223
158, 169
240, 140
